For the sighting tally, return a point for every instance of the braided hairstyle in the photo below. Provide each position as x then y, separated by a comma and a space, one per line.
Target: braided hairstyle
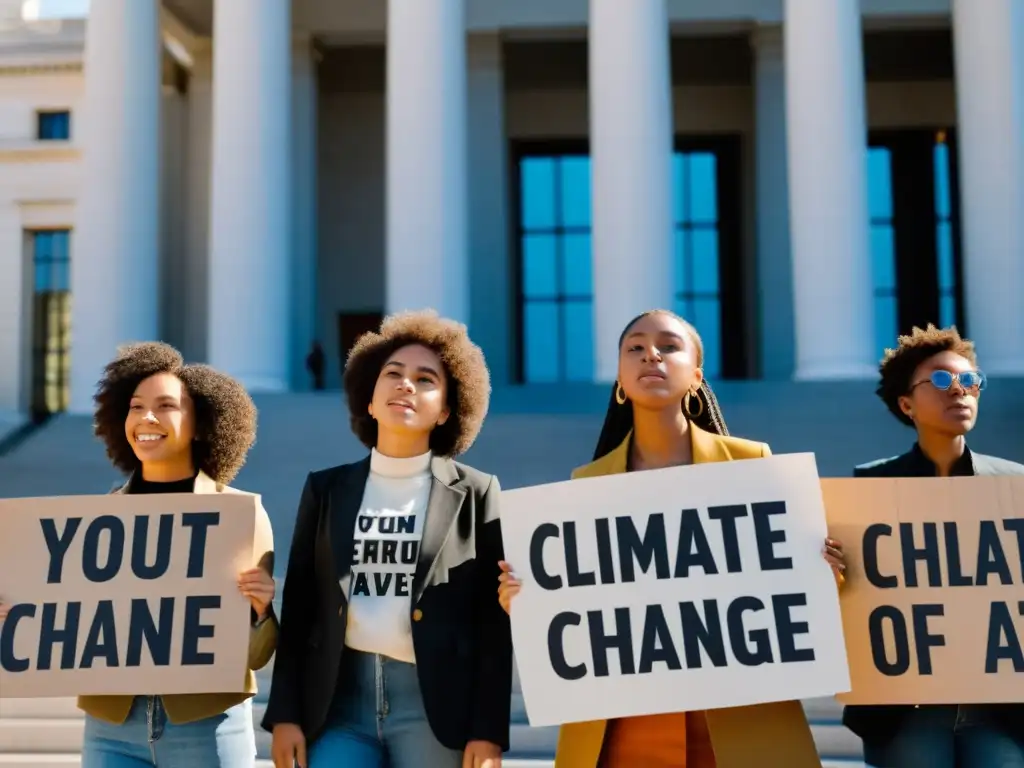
618, 420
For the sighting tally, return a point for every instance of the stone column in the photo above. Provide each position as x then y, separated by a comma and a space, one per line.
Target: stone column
827, 148
304, 206
426, 145
116, 250
249, 332
631, 168
988, 39
774, 264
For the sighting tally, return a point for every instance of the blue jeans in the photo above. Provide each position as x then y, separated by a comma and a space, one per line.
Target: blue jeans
147, 739
378, 720
947, 737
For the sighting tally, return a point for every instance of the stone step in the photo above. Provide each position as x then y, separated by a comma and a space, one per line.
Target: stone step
45, 726
75, 761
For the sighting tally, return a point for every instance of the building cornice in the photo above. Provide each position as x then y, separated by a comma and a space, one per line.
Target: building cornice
54, 68
32, 151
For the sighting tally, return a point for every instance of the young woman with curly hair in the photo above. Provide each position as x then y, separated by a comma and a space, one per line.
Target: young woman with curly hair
931, 382
662, 413
176, 428
393, 650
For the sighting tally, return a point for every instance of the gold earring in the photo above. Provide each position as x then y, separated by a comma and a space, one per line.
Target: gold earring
620, 394
686, 405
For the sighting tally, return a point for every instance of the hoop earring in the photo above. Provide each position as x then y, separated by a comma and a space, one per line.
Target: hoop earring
620, 395
688, 410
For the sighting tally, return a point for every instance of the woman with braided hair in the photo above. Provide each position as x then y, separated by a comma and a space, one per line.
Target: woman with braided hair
663, 413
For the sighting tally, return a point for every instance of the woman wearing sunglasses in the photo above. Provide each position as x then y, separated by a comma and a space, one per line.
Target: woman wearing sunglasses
931, 382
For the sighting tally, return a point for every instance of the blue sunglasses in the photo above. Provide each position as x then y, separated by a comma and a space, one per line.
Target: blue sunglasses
968, 380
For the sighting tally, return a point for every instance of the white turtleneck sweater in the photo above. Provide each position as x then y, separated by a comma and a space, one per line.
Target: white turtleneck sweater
386, 545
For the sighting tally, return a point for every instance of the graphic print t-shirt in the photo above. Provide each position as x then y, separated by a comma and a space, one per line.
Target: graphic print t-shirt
385, 549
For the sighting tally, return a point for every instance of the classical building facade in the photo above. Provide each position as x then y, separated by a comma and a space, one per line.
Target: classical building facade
242, 177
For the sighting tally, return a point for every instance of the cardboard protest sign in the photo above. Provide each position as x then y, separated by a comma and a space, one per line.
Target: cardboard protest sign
672, 590
123, 594
933, 606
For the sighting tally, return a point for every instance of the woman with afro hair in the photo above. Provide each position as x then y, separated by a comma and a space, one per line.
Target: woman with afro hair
393, 650
662, 413
176, 428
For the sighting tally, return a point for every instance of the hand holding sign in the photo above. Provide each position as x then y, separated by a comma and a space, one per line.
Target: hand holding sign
508, 586
258, 586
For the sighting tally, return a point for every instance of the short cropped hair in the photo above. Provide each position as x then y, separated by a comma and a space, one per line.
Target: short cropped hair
468, 380
225, 415
898, 365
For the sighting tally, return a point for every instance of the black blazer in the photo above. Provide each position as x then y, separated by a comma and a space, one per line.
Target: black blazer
461, 635
878, 724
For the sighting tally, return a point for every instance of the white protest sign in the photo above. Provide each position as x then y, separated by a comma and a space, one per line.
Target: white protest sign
673, 590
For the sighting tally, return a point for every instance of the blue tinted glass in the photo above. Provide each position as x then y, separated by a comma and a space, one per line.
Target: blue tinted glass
540, 278
883, 257
681, 261
944, 247
578, 343
61, 276
683, 306
680, 198
879, 183
943, 204
706, 318
54, 126
577, 280
947, 311
704, 252
703, 187
575, 191
885, 324
537, 192
541, 337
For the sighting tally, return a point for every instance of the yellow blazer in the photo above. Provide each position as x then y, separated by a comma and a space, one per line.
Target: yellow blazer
189, 707
766, 735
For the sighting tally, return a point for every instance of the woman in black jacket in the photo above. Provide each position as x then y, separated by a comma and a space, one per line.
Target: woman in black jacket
393, 650
931, 382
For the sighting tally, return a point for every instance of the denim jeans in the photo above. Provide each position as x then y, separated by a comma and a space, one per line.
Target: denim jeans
378, 720
148, 740
947, 737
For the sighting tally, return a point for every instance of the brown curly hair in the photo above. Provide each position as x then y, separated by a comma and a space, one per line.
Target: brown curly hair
469, 381
225, 414
898, 365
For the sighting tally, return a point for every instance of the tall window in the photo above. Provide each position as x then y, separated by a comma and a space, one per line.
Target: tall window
53, 125
555, 271
556, 285
883, 248
944, 233
698, 299
914, 232
51, 329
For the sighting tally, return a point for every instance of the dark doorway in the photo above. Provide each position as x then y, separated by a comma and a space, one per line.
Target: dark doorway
352, 325
51, 322
913, 198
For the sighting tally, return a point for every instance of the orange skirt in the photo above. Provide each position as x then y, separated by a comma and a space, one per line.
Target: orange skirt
677, 740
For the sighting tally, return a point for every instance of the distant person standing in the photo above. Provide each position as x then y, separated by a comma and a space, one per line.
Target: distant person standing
315, 361
931, 382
